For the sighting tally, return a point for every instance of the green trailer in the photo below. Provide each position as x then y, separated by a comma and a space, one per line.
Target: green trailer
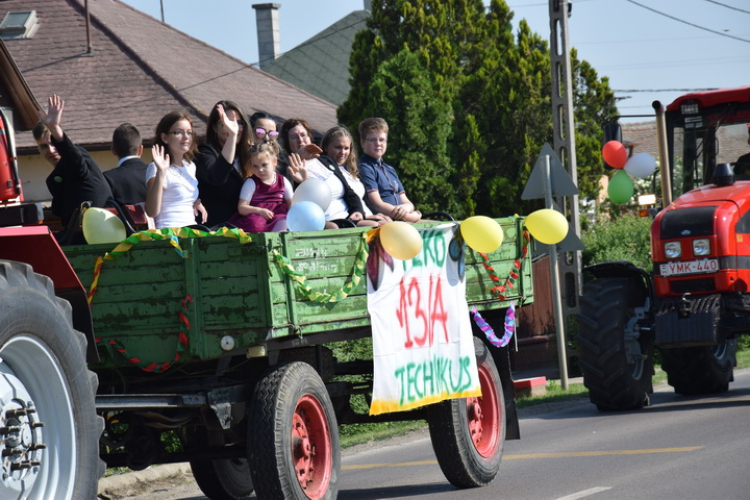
237, 346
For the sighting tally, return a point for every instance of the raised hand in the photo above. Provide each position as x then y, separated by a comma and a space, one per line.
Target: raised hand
161, 159
53, 117
230, 125
297, 168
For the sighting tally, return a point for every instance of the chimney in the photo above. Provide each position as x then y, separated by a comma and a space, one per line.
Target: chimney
269, 38
368, 5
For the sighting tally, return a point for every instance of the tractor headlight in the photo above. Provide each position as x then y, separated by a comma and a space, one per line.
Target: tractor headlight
701, 247
673, 250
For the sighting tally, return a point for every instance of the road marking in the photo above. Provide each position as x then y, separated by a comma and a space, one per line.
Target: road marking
586, 493
539, 455
603, 453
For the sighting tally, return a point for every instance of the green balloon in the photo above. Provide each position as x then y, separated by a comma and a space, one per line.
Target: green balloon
620, 188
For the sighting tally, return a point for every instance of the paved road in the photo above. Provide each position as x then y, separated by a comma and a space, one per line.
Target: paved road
678, 448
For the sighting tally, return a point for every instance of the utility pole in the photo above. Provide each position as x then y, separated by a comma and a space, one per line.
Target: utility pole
564, 145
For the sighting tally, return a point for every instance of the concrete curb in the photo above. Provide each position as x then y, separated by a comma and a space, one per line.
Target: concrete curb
128, 484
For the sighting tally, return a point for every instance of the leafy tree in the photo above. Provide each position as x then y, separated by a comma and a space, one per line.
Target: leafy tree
491, 87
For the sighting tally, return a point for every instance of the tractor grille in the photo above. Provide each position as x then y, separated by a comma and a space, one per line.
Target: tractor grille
693, 286
687, 222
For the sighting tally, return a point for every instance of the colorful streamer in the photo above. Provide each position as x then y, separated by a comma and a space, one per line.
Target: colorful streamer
489, 332
182, 343
360, 263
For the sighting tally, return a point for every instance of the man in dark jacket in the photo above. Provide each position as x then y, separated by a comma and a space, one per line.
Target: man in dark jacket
75, 177
128, 179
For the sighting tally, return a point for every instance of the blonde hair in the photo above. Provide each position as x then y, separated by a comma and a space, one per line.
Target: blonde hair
270, 148
341, 131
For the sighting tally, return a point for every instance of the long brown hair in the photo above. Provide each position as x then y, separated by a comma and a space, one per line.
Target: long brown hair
212, 136
341, 131
163, 128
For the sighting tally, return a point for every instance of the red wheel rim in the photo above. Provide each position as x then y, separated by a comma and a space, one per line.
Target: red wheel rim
483, 416
312, 453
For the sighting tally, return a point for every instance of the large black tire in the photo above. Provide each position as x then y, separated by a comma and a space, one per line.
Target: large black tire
44, 380
293, 437
223, 479
468, 434
616, 360
700, 370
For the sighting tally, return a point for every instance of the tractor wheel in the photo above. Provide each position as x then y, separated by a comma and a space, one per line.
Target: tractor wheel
223, 479
48, 422
700, 370
616, 359
293, 438
468, 434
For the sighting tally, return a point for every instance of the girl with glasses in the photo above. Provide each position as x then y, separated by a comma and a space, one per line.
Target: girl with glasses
171, 186
263, 127
219, 161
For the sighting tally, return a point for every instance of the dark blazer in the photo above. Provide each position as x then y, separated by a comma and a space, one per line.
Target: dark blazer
219, 184
76, 178
353, 202
128, 182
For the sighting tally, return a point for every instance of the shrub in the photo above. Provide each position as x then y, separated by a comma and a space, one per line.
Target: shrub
626, 238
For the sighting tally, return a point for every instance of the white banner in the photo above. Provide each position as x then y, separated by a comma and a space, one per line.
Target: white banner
422, 342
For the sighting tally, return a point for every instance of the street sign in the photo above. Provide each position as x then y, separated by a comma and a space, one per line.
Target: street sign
562, 184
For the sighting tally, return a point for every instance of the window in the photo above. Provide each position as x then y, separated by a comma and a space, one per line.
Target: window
21, 24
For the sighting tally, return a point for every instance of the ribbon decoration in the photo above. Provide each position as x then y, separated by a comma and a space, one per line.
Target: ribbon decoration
170, 234
360, 262
510, 282
489, 332
182, 343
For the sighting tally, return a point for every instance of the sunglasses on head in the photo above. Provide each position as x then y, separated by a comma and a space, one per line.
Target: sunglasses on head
261, 133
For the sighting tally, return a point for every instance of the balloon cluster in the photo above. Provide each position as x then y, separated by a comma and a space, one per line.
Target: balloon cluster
309, 203
639, 165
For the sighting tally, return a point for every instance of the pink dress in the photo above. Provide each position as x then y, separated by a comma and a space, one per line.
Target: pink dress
265, 196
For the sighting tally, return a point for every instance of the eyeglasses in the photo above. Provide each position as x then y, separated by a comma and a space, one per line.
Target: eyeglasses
186, 133
261, 133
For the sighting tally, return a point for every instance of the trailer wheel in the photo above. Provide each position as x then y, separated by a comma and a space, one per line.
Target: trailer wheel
700, 370
223, 479
48, 423
293, 436
468, 434
616, 359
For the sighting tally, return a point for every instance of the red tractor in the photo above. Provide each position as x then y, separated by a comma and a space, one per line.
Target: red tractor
696, 301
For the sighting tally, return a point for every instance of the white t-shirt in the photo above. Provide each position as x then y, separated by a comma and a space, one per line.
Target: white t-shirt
180, 192
248, 189
357, 187
337, 209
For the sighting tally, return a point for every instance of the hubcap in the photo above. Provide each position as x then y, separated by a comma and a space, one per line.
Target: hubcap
483, 416
312, 453
20, 434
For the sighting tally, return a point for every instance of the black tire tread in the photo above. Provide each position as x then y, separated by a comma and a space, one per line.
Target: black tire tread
694, 371
605, 307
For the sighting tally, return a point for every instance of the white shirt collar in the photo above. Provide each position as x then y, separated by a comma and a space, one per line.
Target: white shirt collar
126, 158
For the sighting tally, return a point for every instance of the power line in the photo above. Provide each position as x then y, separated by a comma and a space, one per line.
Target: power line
728, 6
666, 90
688, 23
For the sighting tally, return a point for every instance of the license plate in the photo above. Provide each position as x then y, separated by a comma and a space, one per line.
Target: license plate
690, 267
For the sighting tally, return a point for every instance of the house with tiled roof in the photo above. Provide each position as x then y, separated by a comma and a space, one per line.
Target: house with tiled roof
125, 66
319, 65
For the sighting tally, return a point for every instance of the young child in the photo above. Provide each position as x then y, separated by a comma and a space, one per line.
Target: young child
265, 197
385, 193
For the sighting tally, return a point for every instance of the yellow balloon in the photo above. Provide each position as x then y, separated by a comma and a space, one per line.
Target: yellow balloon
102, 226
548, 226
401, 240
482, 233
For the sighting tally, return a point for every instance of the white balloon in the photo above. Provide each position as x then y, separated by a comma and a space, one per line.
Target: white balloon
640, 165
314, 190
102, 226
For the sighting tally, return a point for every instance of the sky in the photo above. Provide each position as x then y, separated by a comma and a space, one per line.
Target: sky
649, 50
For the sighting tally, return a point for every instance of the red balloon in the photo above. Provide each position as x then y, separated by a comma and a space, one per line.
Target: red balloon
615, 154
